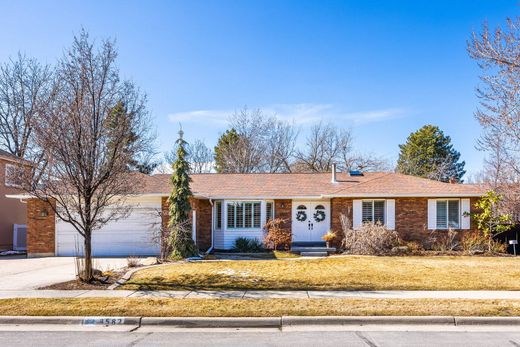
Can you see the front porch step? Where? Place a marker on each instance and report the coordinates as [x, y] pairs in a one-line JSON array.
[[300, 249], [314, 254]]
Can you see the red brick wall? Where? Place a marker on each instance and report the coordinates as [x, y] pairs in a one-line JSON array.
[[40, 228], [283, 210], [339, 206], [203, 212], [411, 217]]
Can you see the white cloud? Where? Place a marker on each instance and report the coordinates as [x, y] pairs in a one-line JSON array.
[[300, 114], [375, 116]]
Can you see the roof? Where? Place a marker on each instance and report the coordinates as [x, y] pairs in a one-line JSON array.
[[312, 185], [11, 157]]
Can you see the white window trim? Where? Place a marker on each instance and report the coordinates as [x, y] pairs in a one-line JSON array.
[[373, 210], [447, 215], [252, 228], [6, 182]]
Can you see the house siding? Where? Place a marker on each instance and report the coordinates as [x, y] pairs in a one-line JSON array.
[[12, 211]]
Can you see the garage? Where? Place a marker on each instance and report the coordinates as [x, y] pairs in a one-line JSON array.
[[135, 235]]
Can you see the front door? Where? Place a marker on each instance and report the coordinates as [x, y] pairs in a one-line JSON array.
[[310, 220]]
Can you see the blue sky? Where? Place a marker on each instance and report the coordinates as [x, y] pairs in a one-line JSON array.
[[382, 68]]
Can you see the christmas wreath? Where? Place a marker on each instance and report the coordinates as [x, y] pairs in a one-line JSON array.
[[319, 216], [301, 216]]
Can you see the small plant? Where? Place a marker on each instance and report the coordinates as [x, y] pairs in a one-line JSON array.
[[247, 245], [443, 241], [414, 247], [133, 262], [328, 237], [476, 242], [278, 237]]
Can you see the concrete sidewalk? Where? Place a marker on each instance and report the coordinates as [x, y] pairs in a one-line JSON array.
[[263, 294]]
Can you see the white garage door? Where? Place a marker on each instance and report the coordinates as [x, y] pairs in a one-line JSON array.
[[134, 235]]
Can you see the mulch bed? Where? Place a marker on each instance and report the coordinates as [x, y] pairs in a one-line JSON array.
[[100, 283]]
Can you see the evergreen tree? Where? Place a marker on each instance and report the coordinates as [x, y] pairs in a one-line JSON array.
[[181, 241], [225, 147], [119, 117], [429, 153]]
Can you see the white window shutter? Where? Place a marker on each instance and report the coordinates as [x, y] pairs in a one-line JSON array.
[[357, 214], [390, 214], [432, 214], [464, 214]]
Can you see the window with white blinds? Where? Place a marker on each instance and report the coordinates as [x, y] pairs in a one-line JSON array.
[[448, 214], [373, 211], [243, 215]]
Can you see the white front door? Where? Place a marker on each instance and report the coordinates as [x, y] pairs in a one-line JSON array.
[[310, 220]]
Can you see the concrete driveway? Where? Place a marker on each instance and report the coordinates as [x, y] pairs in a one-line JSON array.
[[32, 273]]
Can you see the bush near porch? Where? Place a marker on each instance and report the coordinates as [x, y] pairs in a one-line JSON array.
[[337, 273]]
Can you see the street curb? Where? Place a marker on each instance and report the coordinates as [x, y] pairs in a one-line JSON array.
[[367, 320], [259, 322], [214, 322], [487, 321], [69, 320]]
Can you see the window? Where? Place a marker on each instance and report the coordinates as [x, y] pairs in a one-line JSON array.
[[218, 215], [269, 211], [243, 215], [373, 211], [448, 214], [10, 175]]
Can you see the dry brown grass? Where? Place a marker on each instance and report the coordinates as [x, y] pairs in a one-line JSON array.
[[337, 273], [257, 308]]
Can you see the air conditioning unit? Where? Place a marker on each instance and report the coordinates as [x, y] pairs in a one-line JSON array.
[[19, 237]]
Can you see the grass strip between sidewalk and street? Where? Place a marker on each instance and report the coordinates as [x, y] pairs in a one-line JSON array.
[[336, 273], [169, 307]]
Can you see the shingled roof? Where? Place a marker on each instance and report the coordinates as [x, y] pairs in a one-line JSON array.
[[312, 185]]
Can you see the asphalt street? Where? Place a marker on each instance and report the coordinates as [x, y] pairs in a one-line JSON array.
[[261, 338]]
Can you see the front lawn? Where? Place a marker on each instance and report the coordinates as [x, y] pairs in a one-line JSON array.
[[166, 307], [336, 273]]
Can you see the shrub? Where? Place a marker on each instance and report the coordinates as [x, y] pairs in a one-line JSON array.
[[247, 245], [414, 247], [476, 242], [370, 239], [133, 262], [443, 241], [278, 237]]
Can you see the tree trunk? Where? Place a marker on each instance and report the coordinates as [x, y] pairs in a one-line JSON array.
[[87, 275]]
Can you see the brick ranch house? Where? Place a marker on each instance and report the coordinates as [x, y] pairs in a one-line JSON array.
[[227, 206]]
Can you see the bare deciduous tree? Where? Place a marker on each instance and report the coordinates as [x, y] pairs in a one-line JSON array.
[[199, 156], [83, 173], [328, 144], [259, 144], [498, 55], [24, 89], [325, 145]]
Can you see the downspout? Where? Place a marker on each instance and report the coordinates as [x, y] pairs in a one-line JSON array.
[[212, 227]]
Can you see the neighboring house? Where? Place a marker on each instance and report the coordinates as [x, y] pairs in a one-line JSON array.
[[227, 206], [11, 211]]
